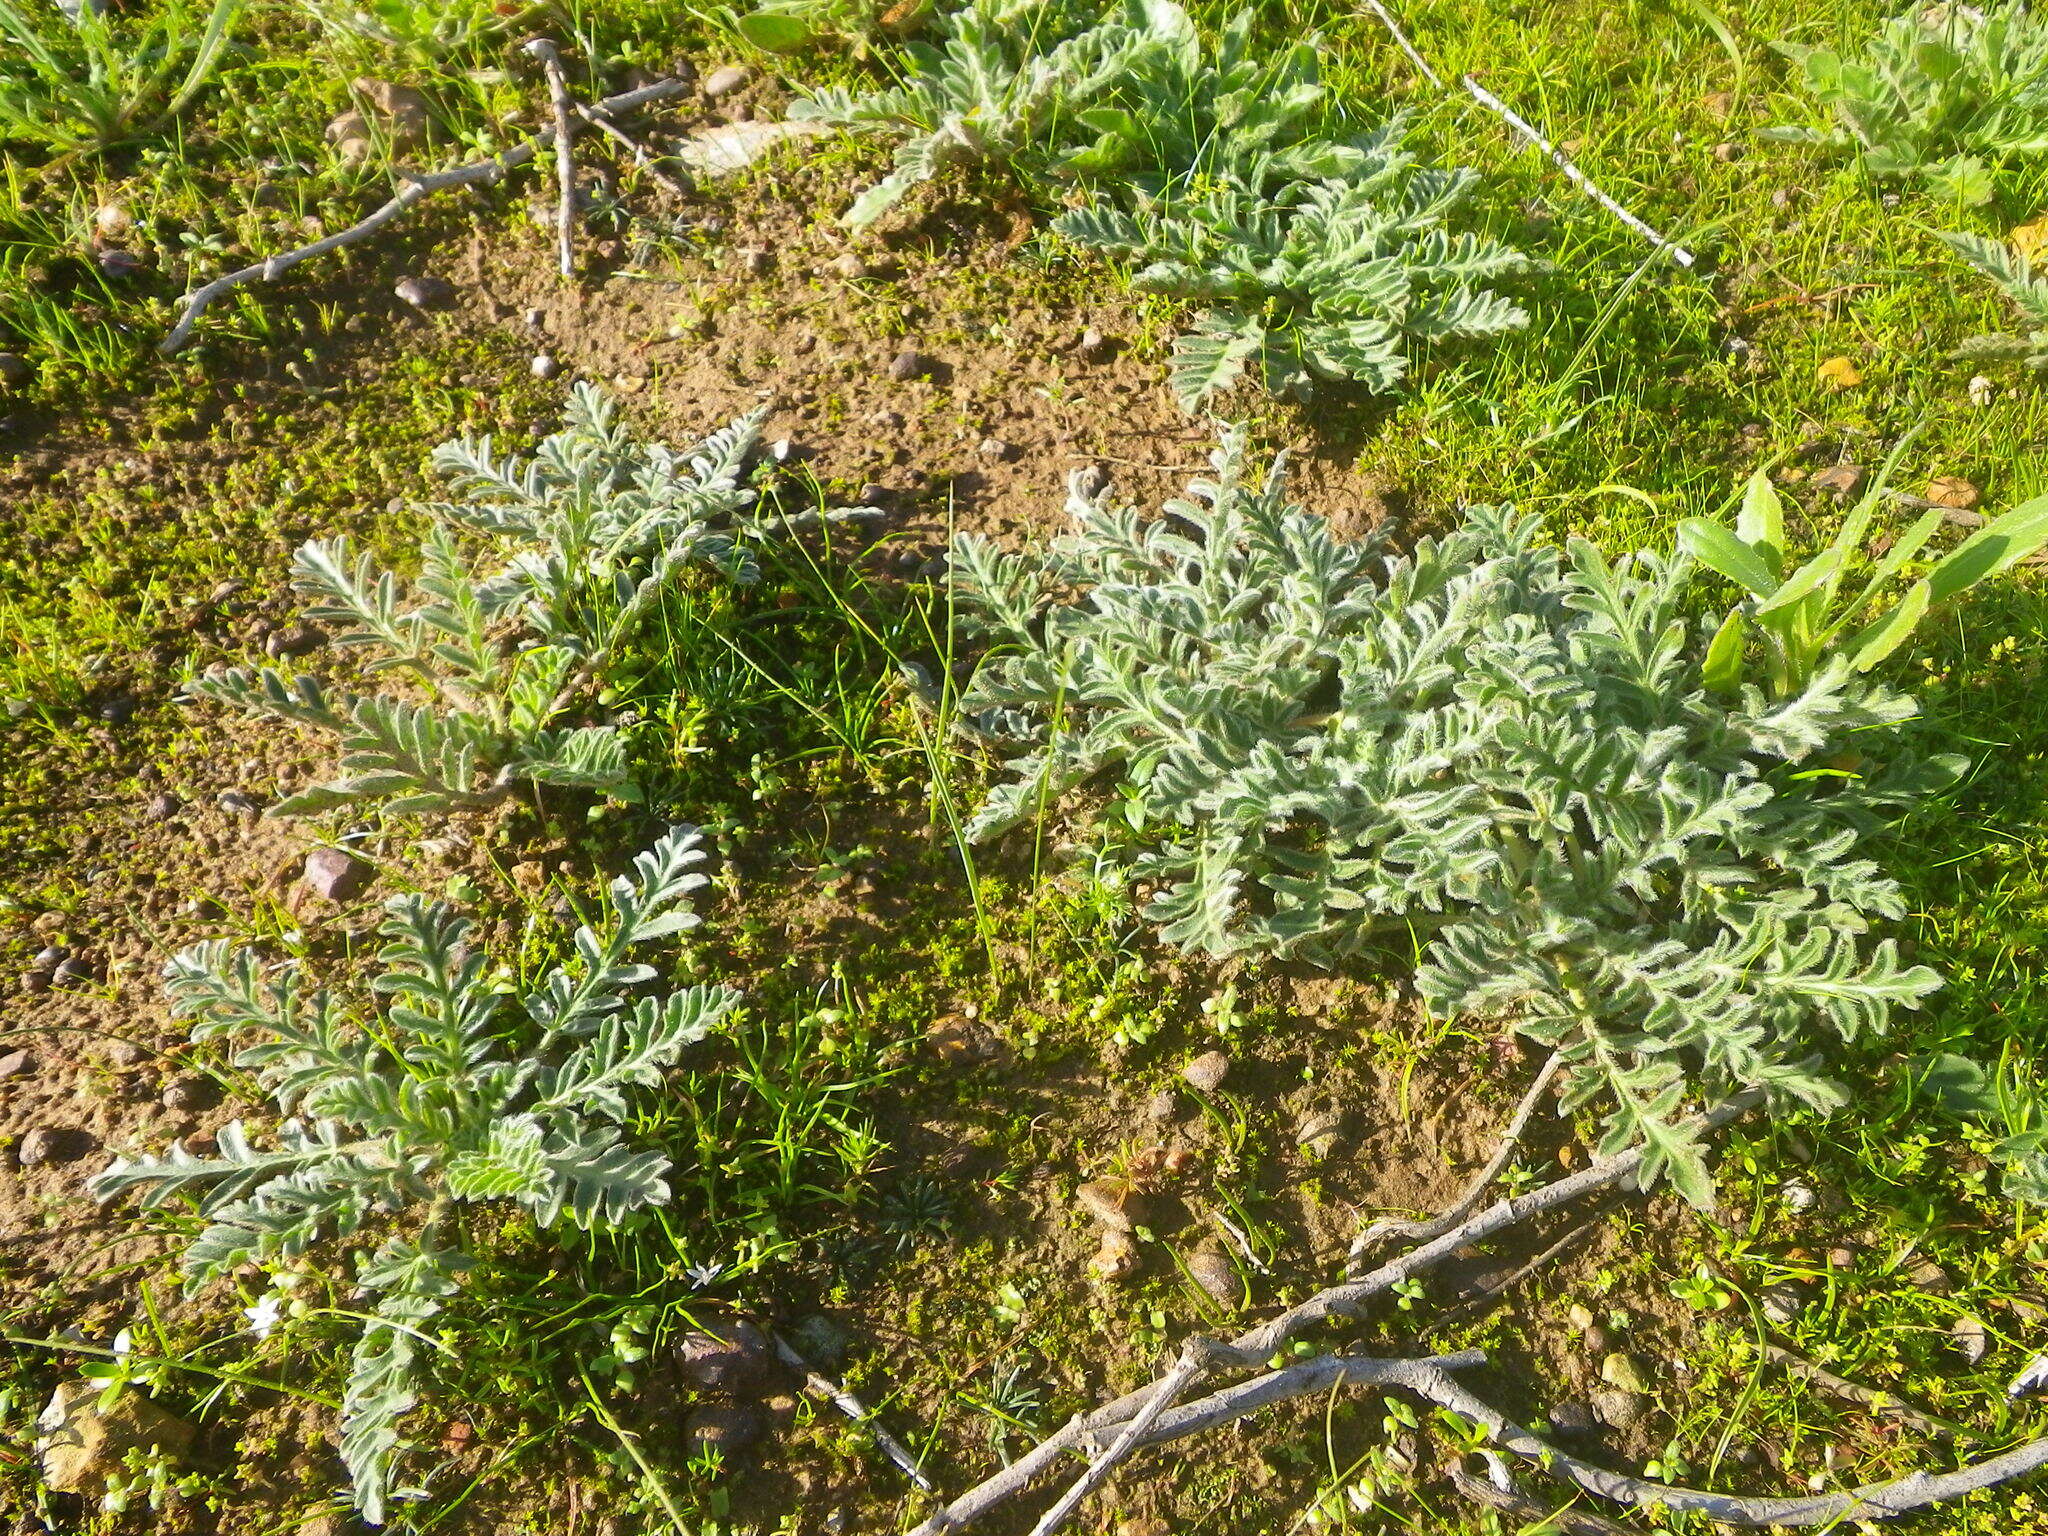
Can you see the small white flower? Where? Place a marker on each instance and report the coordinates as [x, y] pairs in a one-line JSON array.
[[265, 1315]]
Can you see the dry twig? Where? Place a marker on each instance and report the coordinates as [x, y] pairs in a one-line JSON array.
[[633, 146], [821, 1385], [416, 190], [1256, 1345], [1401, 41], [1881, 1403], [1510, 1140], [1186, 1371], [1563, 162], [565, 161], [1570, 1520]]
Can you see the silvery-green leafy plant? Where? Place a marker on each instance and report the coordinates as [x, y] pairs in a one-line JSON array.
[[423, 1092], [1946, 92], [2015, 277], [1318, 280], [1492, 749], [1190, 114], [1006, 83], [530, 583], [1830, 610]]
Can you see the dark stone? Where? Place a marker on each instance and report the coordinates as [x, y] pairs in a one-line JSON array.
[[295, 641], [1572, 1417], [162, 808], [242, 805], [117, 265], [425, 292], [732, 1356], [15, 370], [53, 1144], [75, 973], [336, 875], [191, 1094], [50, 957], [724, 1427], [908, 366], [1601, 1340], [117, 711]]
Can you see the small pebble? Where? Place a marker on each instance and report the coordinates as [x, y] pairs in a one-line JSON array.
[[117, 265], [162, 807], [190, 1094], [1625, 1372], [1971, 1338], [52, 1144], [15, 1064], [1842, 480], [543, 366], [909, 365], [1116, 1258], [425, 292], [294, 641], [535, 319], [724, 1427], [1210, 1268], [756, 261], [74, 973], [1620, 1409], [852, 268], [733, 1356], [50, 956], [1782, 1303], [1572, 1417], [15, 370], [995, 448], [240, 804], [112, 220], [1094, 346], [1163, 1107], [723, 82], [1727, 154], [1207, 1071], [1114, 1203]]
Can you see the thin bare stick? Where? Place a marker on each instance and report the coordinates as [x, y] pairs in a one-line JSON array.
[[1533, 1515], [1185, 1372], [1401, 41], [821, 1385], [1572, 1238], [416, 189], [1558, 158], [1880, 1403], [1423, 1231], [1874, 1501], [1256, 1345], [565, 161], [641, 158]]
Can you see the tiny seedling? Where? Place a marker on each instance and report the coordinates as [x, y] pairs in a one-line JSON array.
[[415, 1097]]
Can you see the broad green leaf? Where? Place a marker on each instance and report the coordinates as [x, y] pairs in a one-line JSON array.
[[1761, 522], [1878, 639], [1712, 545], [1959, 1084], [1722, 669], [1996, 547], [776, 31]]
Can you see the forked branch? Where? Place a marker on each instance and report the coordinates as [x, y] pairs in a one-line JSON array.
[[417, 189]]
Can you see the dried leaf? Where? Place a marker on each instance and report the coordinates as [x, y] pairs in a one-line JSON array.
[[2030, 238], [1953, 491], [1839, 373], [734, 147]]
